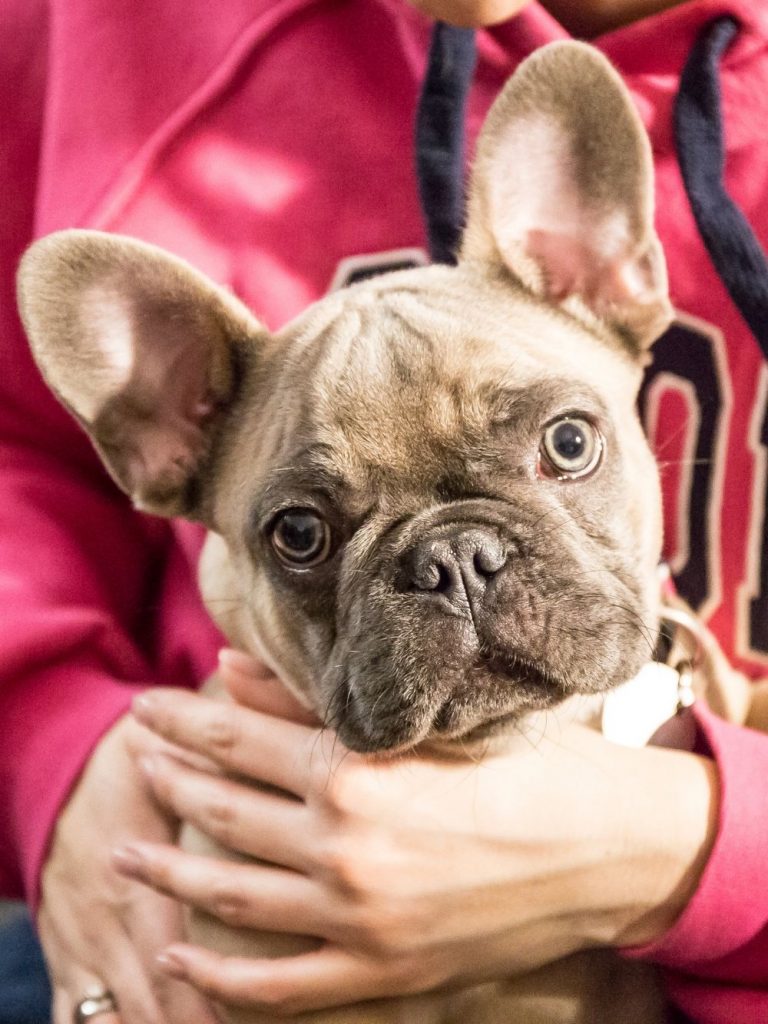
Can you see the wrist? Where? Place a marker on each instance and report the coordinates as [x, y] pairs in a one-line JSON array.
[[669, 813]]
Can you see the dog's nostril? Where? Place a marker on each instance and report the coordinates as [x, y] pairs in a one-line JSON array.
[[456, 565], [434, 576], [489, 558], [444, 579]]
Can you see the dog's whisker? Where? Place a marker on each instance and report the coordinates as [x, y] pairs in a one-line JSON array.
[[669, 440], [668, 463]]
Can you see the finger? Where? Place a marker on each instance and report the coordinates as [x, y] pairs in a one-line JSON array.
[[240, 740], [122, 962], [323, 978], [141, 741], [240, 895], [64, 1012], [63, 1008], [154, 922], [260, 690], [244, 664], [125, 979], [265, 825], [104, 962]]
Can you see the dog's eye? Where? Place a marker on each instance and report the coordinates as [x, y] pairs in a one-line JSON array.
[[571, 447], [300, 537]]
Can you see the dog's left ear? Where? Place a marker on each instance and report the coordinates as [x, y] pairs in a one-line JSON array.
[[145, 351], [562, 194]]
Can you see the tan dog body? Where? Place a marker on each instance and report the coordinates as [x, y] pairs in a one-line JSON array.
[[433, 510]]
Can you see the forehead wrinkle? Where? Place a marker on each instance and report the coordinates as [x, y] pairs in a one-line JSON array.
[[393, 400], [399, 380], [312, 467], [542, 396]]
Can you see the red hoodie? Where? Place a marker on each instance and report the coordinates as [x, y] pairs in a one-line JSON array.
[[266, 141]]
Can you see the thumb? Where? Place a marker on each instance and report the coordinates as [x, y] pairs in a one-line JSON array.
[[251, 683]]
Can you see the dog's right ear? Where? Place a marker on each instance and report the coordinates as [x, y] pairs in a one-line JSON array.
[[143, 350], [562, 194]]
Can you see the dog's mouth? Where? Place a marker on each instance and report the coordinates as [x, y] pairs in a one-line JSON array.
[[496, 691], [445, 733], [442, 679], [502, 688], [523, 672]]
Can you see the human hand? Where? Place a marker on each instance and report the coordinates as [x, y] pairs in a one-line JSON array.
[[470, 13], [416, 873], [99, 930]]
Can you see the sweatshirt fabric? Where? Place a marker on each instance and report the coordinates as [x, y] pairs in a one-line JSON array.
[[269, 142]]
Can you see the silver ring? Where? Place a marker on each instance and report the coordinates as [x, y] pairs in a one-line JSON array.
[[92, 1005]]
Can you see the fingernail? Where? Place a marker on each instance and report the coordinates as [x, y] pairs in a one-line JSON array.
[[128, 861], [144, 708], [237, 661], [171, 964]]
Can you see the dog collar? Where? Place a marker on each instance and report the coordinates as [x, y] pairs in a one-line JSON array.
[[653, 708]]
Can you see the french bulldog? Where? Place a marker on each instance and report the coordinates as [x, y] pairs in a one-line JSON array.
[[431, 505]]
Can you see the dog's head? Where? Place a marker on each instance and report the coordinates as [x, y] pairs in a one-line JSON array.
[[432, 505]]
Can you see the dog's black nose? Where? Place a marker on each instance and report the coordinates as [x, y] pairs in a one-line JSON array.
[[456, 567]]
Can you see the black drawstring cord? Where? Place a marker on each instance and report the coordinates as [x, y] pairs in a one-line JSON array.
[[734, 250], [440, 137]]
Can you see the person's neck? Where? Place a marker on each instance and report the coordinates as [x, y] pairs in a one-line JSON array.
[[589, 18]]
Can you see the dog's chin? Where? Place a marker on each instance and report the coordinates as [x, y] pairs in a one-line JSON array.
[[495, 695]]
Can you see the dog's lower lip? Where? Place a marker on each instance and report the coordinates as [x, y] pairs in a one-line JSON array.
[[363, 745], [533, 685], [516, 668], [482, 729], [366, 741]]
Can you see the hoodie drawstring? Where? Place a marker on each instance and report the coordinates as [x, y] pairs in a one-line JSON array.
[[440, 137], [737, 255]]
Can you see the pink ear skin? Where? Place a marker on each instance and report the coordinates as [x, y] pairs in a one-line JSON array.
[[160, 456], [573, 267], [165, 443], [562, 195], [144, 350]]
